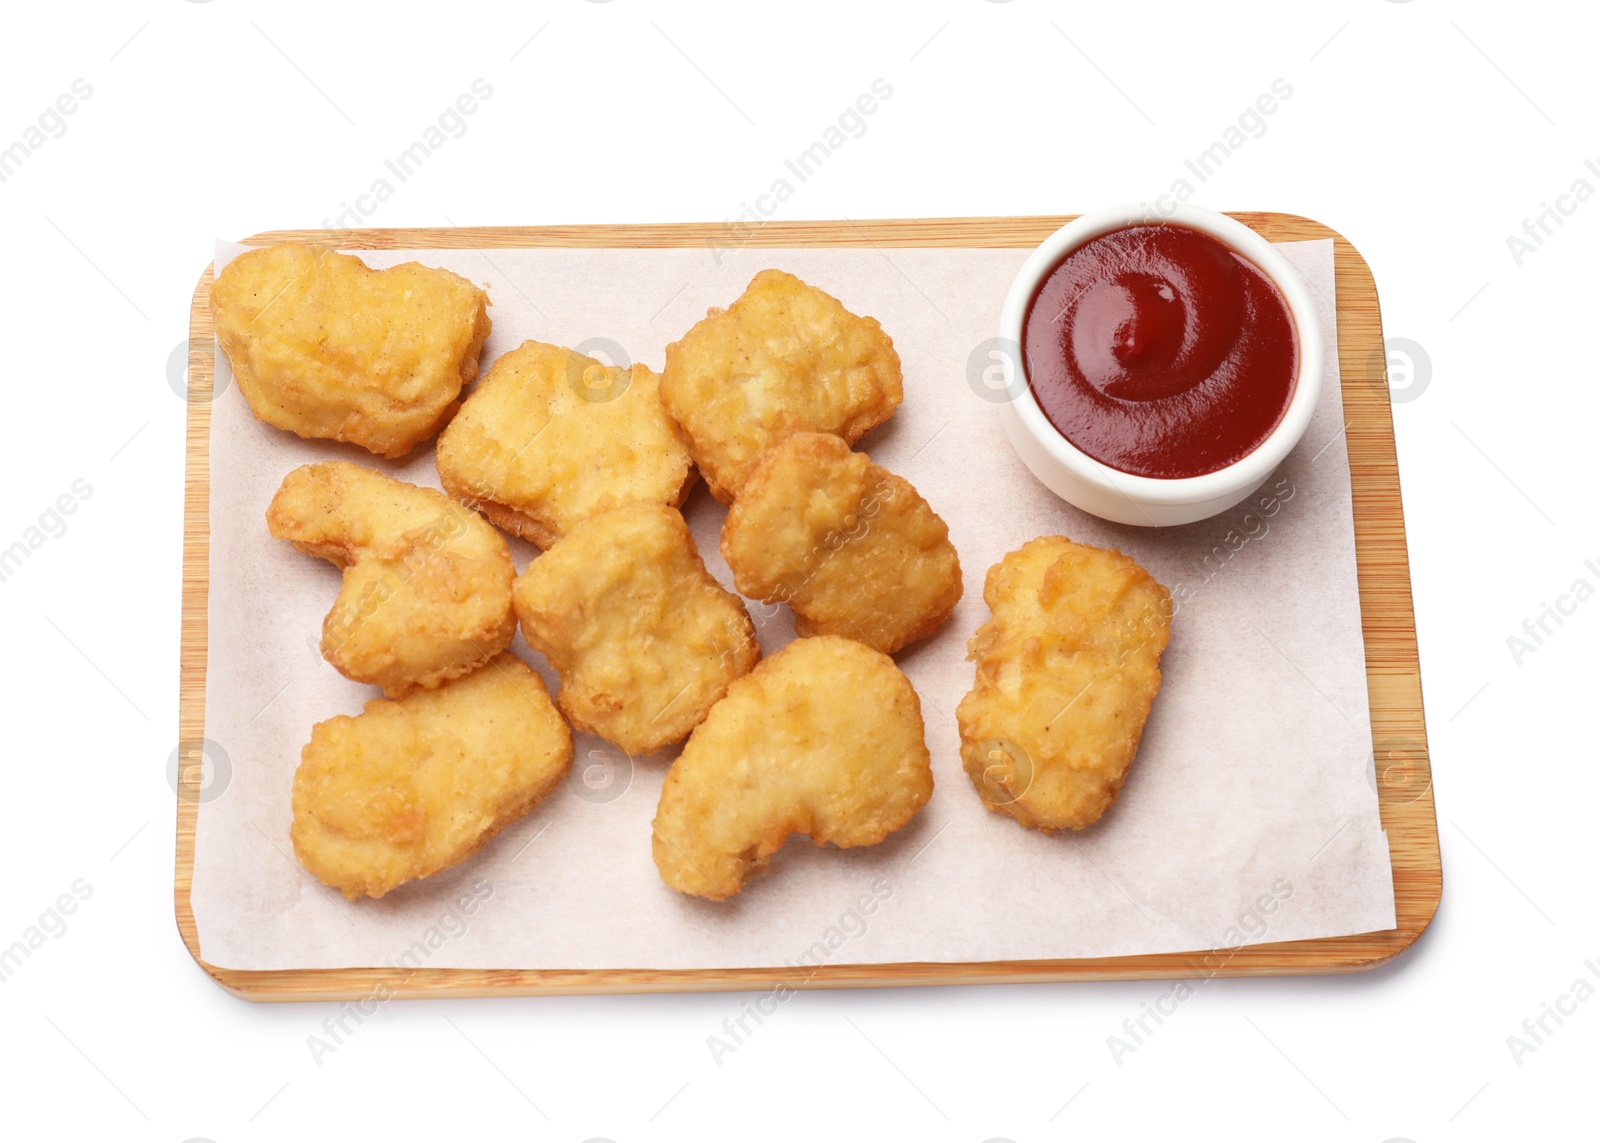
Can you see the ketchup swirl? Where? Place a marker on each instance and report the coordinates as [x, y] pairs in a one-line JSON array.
[[1158, 351]]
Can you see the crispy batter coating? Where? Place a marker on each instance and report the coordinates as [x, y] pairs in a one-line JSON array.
[[408, 788], [551, 437], [1067, 670], [427, 583], [851, 547], [824, 738], [644, 639], [784, 358], [326, 347]]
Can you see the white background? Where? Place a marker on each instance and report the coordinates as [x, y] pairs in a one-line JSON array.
[[1426, 132]]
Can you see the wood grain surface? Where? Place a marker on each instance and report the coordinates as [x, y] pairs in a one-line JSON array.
[[1403, 774]]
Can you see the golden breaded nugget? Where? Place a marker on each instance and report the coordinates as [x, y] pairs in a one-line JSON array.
[[408, 788], [825, 738], [324, 346], [1067, 670], [551, 437], [848, 545], [427, 583], [784, 358], [645, 641]]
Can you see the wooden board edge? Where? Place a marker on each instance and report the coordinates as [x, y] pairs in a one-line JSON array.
[[988, 231], [1405, 815], [196, 589], [1271, 960], [362, 984], [1394, 678]]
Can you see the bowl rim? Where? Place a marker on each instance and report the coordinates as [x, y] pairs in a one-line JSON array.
[[1243, 474]]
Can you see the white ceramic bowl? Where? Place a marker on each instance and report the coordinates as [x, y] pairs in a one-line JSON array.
[[1083, 481]]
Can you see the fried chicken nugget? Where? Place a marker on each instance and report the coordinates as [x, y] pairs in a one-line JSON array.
[[824, 738], [851, 547], [427, 583], [326, 347], [784, 358], [644, 639], [1067, 670], [551, 437], [408, 788]]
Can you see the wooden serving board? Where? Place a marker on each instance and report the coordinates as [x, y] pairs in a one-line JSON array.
[[1403, 774]]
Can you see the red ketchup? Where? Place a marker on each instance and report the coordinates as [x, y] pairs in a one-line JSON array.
[[1160, 352]]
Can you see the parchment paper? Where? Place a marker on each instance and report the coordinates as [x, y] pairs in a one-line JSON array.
[[1250, 814]]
